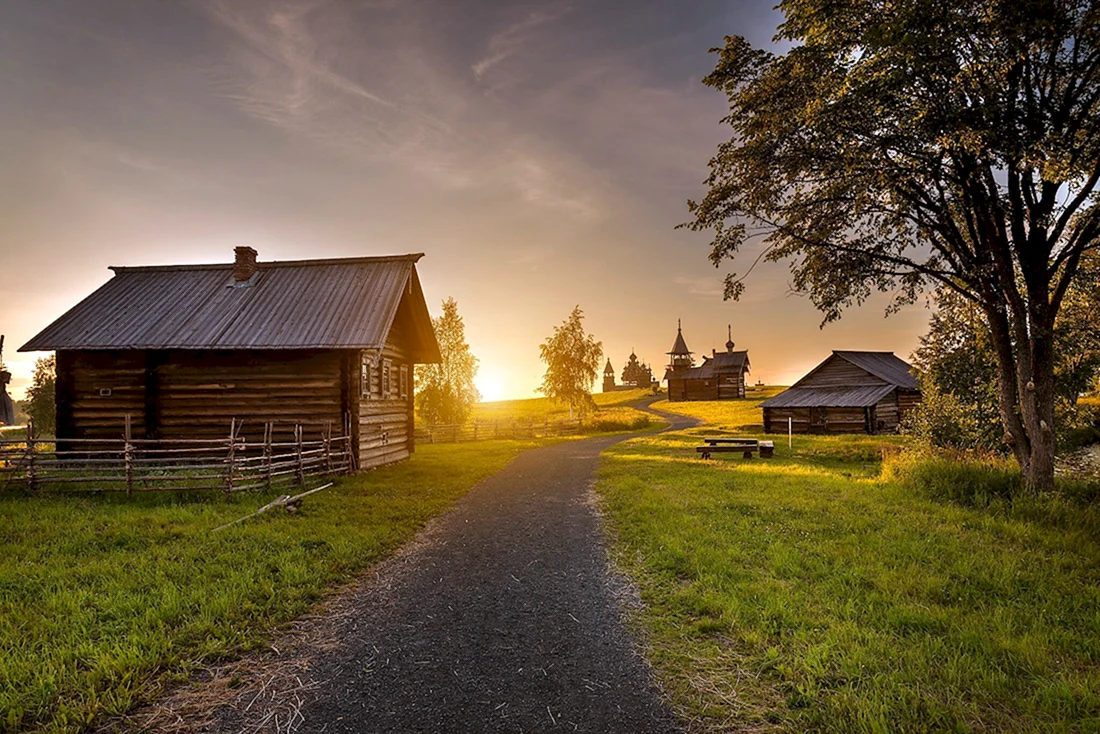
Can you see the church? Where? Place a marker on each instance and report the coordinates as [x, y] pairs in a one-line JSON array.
[[635, 375], [721, 376]]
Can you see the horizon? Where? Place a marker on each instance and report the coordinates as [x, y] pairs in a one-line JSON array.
[[539, 154]]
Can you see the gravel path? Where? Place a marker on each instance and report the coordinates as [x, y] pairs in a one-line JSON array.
[[504, 617]]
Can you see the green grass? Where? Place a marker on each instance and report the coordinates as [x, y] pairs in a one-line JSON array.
[[104, 600], [540, 409], [815, 592]]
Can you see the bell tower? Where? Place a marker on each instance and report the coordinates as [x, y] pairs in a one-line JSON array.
[[609, 377], [680, 359]]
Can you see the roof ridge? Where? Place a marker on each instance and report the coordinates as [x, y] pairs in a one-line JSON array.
[[412, 257]]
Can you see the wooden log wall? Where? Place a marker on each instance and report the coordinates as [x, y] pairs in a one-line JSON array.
[[908, 400], [199, 393], [714, 388], [386, 416], [886, 414], [96, 390], [824, 420]]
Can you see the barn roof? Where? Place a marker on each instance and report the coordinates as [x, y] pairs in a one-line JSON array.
[[346, 303], [884, 365], [860, 396], [718, 364]]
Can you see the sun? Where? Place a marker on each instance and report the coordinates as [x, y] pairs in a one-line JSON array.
[[490, 386]]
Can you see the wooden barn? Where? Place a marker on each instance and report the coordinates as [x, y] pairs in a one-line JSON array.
[[329, 345], [850, 392], [721, 376]]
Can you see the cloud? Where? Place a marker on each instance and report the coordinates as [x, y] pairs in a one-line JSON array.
[[509, 41], [366, 82], [704, 287]]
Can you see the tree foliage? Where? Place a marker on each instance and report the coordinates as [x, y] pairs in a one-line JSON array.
[[903, 145], [445, 392], [40, 404], [572, 360]]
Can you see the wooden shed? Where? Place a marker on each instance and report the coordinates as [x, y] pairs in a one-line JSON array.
[[329, 345], [850, 392]]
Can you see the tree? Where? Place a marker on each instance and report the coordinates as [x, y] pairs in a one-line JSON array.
[[40, 404], [957, 358], [572, 360], [445, 392], [903, 145]]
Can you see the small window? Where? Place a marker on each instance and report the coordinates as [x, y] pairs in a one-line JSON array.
[[364, 378], [386, 366], [404, 382]]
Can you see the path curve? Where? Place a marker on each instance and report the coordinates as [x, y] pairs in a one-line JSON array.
[[505, 617]]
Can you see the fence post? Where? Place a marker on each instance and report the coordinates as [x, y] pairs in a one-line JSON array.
[[128, 458], [454, 433], [475, 430], [431, 434], [300, 474], [327, 438], [496, 428], [268, 430], [230, 459], [32, 476]]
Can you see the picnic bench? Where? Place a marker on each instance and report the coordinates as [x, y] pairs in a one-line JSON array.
[[745, 446]]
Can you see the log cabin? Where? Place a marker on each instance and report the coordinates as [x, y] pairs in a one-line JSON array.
[[183, 350], [721, 376], [850, 392]]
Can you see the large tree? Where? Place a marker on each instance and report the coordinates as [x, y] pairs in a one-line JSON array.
[[572, 360], [898, 145], [445, 392]]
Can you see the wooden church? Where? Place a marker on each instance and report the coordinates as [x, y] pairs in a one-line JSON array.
[[635, 375], [721, 376]]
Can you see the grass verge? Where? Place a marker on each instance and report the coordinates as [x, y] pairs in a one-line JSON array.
[[104, 600], [814, 592]]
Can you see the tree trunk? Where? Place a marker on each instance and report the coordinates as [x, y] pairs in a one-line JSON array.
[[1025, 396]]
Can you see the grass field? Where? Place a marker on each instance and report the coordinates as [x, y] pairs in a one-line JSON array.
[[104, 599], [540, 409], [814, 592]]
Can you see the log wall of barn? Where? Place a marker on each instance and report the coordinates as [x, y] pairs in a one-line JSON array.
[[198, 393], [816, 420], [723, 387], [96, 390], [385, 402], [908, 400], [886, 414]]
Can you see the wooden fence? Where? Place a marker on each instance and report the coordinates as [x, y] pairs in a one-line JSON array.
[[231, 464], [488, 430]]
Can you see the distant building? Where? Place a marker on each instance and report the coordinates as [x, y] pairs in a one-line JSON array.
[[721, 376], [635, 375], [850, 392]]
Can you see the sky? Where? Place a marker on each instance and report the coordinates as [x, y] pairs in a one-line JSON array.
[[539, 153]]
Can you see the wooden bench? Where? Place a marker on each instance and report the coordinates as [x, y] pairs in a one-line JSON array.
[[745, 446]]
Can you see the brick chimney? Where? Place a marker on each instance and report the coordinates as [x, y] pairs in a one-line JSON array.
[[244, 266]]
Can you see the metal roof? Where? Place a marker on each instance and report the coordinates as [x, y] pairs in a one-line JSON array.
[[884, 365], [347, 303], [861, 396]]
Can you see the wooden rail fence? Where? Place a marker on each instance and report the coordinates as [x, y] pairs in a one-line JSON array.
[[488, 430], [230, 464]]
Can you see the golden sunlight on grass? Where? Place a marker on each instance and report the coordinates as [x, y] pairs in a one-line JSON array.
[[816, 592]]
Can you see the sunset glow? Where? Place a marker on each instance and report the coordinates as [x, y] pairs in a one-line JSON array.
[[540, 159]]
